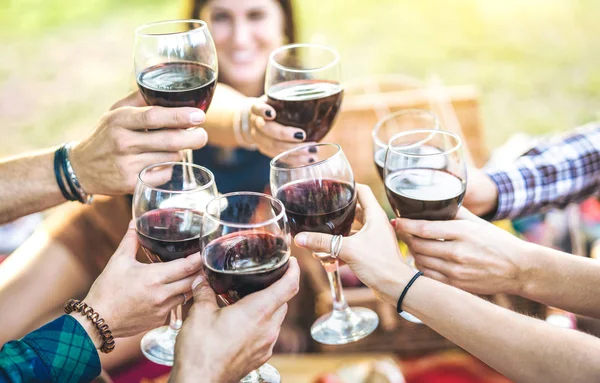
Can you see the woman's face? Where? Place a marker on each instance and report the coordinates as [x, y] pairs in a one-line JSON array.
[[245, 32]]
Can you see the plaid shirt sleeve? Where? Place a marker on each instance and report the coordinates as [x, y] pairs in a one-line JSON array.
[[60, 351], [551, 175]]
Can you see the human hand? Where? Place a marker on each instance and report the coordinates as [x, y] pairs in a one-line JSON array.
[[134, 297], [109, 160], [372, 253], [481, 196], [474, 255], [270, 137], [225, 344]]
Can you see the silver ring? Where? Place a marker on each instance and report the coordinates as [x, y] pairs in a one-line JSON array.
[[185, 298], [336, 246]]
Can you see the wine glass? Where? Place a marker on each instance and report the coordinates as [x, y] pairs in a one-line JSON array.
[[302, 84], [425, 176], [176, 65], [168, 211], [318, 193], [384, 130], [394, 123], [246, 247]]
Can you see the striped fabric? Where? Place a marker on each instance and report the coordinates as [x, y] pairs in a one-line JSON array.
[[552, 174]]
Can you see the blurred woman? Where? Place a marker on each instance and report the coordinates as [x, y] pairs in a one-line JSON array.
[[75, 244], [522, 348]]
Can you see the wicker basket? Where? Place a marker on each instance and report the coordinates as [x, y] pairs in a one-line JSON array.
[[365, 102]]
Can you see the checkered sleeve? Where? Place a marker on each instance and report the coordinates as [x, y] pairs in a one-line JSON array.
[[553, 174], [60, 351]]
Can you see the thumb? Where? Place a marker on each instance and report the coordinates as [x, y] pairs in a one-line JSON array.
[[129, 244], [317, 242], [204, 295], [133, 99], [464, 213]]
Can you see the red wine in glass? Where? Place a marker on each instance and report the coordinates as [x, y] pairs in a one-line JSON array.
[[425, 193], [178, 84], [242, 263], [324, 206], [169, 234], [379, 159], [311, 105]]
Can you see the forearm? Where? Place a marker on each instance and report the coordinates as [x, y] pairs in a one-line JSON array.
[[28, 185], [222, 114], [522, 348], [561, 280]]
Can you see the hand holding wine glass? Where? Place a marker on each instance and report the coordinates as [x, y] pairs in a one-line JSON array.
[[225, 344], [381, 269]]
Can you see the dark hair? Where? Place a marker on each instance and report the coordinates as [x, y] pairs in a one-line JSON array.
[[289, 28]]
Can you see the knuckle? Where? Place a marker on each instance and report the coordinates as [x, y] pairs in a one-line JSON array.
[[150, 117], [171, 142]]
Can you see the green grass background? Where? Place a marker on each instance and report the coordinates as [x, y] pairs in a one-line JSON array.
[[63, 62]]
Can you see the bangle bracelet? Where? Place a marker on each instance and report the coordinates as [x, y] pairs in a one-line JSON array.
[[58, 173], [108, 342], [74, 184], [414, 278]]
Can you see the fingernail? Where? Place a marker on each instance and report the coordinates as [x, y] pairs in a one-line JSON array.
[[269, 113], [300, 239], [312, 149], [311, 160], [197, 281], [299, 135], [197, 117], [393, 222]]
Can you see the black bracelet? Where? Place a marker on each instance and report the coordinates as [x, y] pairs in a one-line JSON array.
[[63, 160], [414, 278], [59, 175]]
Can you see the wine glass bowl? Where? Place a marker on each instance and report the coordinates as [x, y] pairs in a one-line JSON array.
[[176, 63], [398, 122], [303, 85]]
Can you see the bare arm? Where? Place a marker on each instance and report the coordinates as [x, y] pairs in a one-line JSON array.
[[522, 348], [28, 185], [481, 258]]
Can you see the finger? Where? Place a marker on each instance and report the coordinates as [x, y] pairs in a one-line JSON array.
[[367, 200], [264, 110], [152, 158], [432, 263], [359, 215], [317, 242], [204, 295], [267, 301], [431, 247], [171, 140], [156, 117], [282, 133], [178, 269], [158, 175], [272, 148], [133, 99], [129, 244], [428, 229], [182, 286]]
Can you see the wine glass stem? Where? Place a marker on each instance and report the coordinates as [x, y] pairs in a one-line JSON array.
[[335, 282], [176, 319]]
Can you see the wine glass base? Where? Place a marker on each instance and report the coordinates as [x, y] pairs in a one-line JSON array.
[[158, 345], [344, 326], [264, 374], [410, 317]]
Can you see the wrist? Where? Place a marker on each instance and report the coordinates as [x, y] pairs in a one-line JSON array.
[[189, 372], [76, 158], [528, 269], [392, 285], [89, 328]]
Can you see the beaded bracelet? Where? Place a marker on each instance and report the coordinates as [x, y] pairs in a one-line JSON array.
[[108, 342]]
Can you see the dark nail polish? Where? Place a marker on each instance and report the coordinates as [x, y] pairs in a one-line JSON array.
[[312, 149], [311, 160], [299, 135], [268, 113]]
